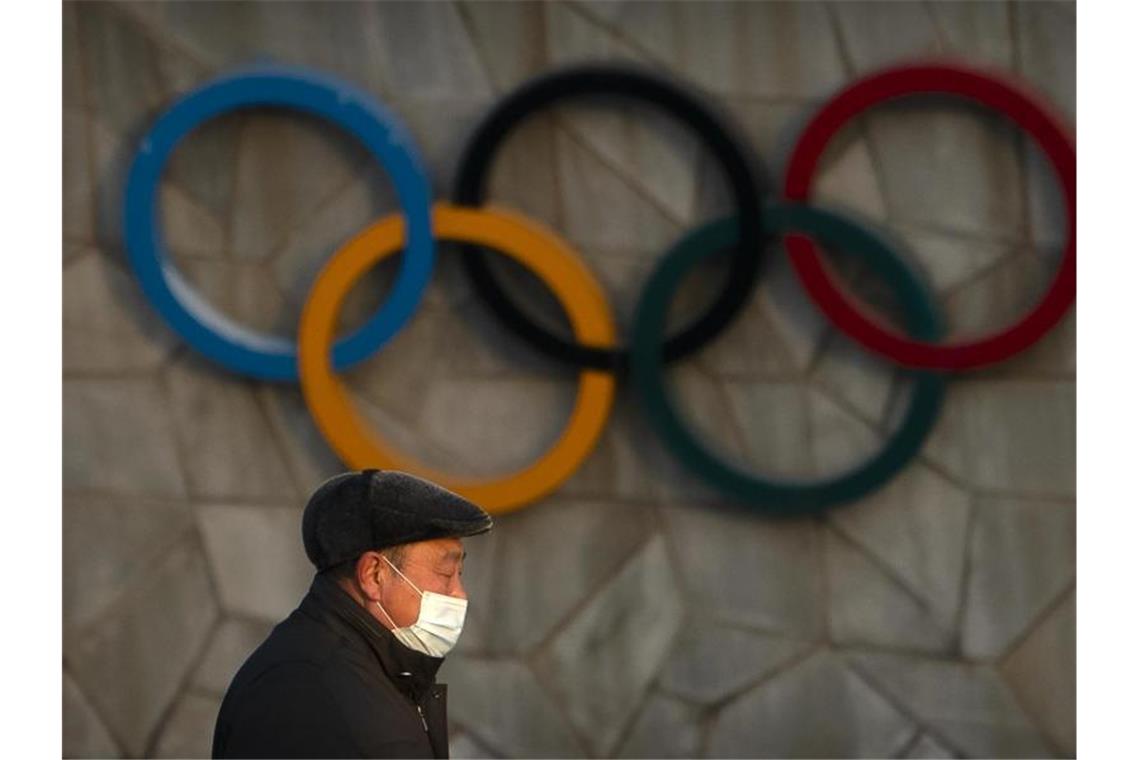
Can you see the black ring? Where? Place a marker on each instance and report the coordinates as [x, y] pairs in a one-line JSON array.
[[746, 177]]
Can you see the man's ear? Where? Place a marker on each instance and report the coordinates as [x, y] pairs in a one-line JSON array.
[[369, 567]]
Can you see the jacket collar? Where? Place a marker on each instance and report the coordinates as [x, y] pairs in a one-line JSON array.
[[413, 672]]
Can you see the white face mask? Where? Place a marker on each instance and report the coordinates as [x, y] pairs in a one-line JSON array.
[[438, 626]]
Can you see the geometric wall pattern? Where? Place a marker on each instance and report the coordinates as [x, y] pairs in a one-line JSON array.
[[627, 614]]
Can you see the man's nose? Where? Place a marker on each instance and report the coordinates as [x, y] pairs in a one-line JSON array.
[[459, 591]]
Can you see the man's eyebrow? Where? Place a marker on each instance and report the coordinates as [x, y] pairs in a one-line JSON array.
[[455, 554]]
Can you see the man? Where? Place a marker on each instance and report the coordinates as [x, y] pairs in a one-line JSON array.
[[351, 672]]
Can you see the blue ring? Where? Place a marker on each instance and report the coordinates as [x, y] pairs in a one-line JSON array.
[[268, 357]]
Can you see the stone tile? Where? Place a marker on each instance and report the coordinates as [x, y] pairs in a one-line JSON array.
[[573, 38], [759, 49], [1009, 436], [864, 381], [929, 747], [289, 166], [996, 300], [749, 348], [108, 325], [603, 209], [967, 706], [229, 447], [147, 648], [711, 662], [775, 421], [797, 320], [426, 50], [309, 456], [465, 746], [781, 717], [1047, 52], [112, 150], [502, 705], [84, 734], [104, 418], [605, 658], [313, 243], [526, 175], [408, 438], [979, 31], [876, 35], [921, 145], [1053, 356], [122, 79], [916, 527], [257, 558], [442, 128], [233, 641], [839, 440], [74, 93], [78, 187], [541, 573], [203, 164], [225, 35], [1022, 555], [866, 606], [647, 146], [846, 180], [664, 728], [186, 224], [948, 261], [780, 559], [109, 544], [499, 425], [509, 39], [1042, 671], [189, 731]]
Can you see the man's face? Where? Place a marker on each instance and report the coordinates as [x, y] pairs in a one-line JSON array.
[[435, 565]]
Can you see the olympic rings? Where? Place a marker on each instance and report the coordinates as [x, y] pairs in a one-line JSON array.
[[529, 244], [216, 336], [767, 495], [990, 91], [743, 172], [593, 347]]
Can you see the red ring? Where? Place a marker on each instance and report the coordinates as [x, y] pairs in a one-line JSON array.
[[990, 91]]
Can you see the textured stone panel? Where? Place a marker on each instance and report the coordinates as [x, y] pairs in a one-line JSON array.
[[542, 572], [1047, 52], [108, 325], [501, 704], [1022, 555], [78, 187], [465, 746], [109, 544], [509, 39], [244, 292], [84, 734], [233, 641], [1009, 436], [74, 93], [664, 728], [228, 444], [846, 180], [740, 568], [757, 49], [188, 225], [189, 731], [969, 155], [204, 163], [121, 69], [967, 706], [781, 718], [916, 527], [867, 606], [146, 649], [862, 380], [426, 50], [797, 320], [573, 37], [928, 747], [775, 421], [998, 299], [111, 153], [711, 662], [604, 660], [1042, 671], [102, 419], [289, 166], [257, 558], [875, 35], [840, 441], [948, 261]]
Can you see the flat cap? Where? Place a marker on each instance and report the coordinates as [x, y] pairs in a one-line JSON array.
[[355, 512]]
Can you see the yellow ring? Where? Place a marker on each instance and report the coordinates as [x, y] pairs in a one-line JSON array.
[[531, 245]]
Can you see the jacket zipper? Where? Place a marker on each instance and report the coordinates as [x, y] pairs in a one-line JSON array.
[[423, 720]]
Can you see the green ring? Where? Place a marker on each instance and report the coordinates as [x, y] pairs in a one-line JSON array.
[[786, 497]]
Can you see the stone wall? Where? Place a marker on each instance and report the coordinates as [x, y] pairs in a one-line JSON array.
[[629, 613]]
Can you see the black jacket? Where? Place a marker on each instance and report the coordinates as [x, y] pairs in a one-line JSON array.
[[330, 681]]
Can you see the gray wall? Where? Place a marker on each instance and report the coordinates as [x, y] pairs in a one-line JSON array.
[[628, 613]]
